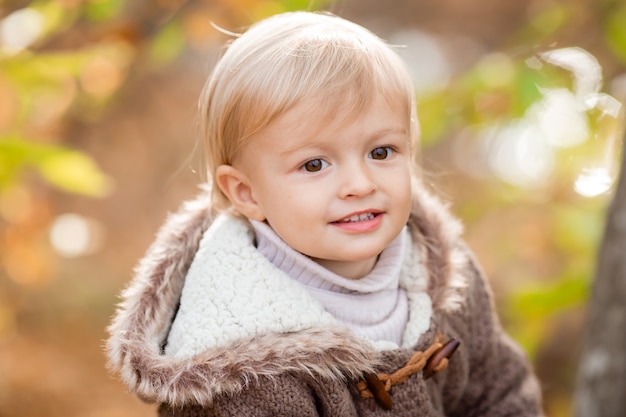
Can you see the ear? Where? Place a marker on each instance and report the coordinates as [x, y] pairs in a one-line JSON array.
[[236, 186]]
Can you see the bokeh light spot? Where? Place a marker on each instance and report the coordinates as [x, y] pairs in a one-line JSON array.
[[20, 29], [593, 182], [73, 235]]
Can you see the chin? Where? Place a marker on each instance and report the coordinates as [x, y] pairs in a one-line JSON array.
[[365, 255]]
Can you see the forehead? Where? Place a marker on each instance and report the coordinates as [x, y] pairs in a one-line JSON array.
[[316, 121]]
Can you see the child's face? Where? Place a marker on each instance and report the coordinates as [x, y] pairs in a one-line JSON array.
[[337, 190]]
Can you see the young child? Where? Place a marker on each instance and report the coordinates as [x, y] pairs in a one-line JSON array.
[[315, 276]]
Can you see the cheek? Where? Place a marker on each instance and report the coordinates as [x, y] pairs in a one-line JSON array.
[[405, 197], [284, 206], [298, 196], [297, 213]]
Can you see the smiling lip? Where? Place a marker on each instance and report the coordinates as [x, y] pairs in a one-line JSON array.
[[359, 222]]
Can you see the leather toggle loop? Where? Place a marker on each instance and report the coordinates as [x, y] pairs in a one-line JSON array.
[[432, 360], [379, 391], [439, 361]]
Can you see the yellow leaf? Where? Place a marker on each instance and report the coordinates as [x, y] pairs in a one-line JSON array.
[[75, 172]]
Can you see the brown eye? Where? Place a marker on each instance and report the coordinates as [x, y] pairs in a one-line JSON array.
[[314, 165], [380, 153]]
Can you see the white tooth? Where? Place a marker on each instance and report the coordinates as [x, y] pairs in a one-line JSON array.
[[358, 217]]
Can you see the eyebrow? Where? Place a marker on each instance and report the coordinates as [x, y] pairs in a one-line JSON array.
[[312, 143]]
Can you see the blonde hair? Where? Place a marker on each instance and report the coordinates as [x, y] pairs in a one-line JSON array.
[[285, 59]]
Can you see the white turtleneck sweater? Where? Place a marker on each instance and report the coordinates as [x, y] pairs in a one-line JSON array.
[[374, 307]]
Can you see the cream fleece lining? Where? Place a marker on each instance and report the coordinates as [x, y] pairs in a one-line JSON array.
[[232, 291]]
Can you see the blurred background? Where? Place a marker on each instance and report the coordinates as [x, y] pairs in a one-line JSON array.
[[520, 106]]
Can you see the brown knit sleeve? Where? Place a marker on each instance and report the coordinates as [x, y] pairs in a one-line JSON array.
[[500, 380]]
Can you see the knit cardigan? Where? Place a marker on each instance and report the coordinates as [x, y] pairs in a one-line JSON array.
[[319, 367]]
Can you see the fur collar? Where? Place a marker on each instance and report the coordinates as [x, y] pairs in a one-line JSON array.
[[143, 319]]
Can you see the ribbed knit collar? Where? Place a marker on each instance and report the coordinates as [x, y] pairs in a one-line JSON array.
[[384, 275]]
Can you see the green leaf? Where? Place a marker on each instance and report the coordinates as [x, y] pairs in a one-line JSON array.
[[63, 168], [292, 5], [57, 17], [551, 19], [576, 229], [615, 33], [434, 117], [526, 92], [102, 10], [168, 43], [75, 172], [30, 71], [541, 301]]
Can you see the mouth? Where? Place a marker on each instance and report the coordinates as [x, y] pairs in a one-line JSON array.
[[359, 217]]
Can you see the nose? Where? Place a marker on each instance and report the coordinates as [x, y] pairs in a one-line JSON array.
[[357, 180]]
